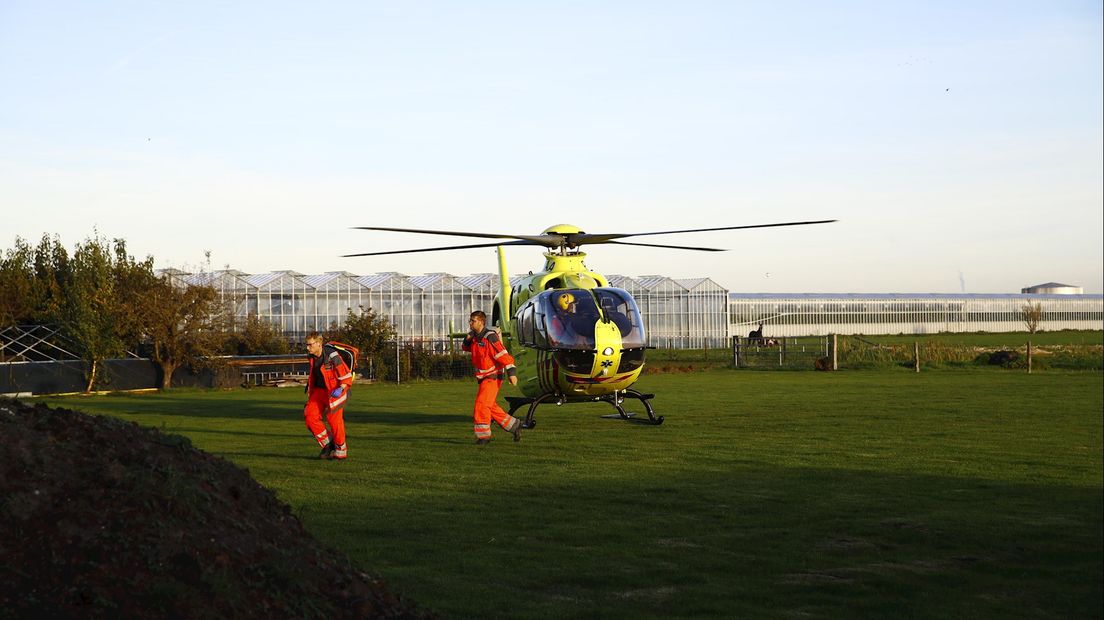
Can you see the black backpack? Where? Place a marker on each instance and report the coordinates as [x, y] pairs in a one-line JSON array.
[[348, 353]]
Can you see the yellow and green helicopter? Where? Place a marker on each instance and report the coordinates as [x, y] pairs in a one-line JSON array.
[[578, 339]]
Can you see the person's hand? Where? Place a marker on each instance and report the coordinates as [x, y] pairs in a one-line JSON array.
[[337, 392], [513, 380]]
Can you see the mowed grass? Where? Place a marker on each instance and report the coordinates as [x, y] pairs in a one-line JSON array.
[[851, 494]]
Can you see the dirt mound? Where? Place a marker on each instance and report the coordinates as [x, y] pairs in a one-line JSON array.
[[103, 518]]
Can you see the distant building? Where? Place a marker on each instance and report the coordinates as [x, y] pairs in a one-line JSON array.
[[1053, 288], [678, 313], [818, 314]]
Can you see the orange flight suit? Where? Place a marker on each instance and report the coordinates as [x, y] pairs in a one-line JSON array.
[[335, 373], [491, 362]]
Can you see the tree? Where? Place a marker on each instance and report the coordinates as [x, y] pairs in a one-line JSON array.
[[257, 337], [52, 273], [1032, 315], [185, 324], [367, 331], [130, 279], [19, 298], [90, 314], [83, 295], [104, 301]]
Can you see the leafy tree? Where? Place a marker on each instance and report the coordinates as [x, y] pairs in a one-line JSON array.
[[367, 331], [130, 279], [104, 301], [51, 273], [257, 336], [95, 297], [185, 325], [89, 314], [1032, 315], [19, 292]]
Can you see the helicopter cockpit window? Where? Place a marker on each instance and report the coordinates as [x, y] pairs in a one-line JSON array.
[[618, 306], [569, 318], [526, 329]]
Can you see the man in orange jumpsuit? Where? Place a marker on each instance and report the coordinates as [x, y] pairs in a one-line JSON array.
[[327, 389], [491, 361]]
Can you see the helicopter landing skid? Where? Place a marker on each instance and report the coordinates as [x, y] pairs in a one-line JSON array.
[[517, 402], [617, 399]]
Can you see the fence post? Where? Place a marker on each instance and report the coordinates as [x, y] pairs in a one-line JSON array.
[[398, 363], [835, 354], [916, 354], [735, 351]]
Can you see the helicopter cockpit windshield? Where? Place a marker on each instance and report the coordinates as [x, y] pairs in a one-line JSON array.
[[565, 319], [618, 306], [569, 318]]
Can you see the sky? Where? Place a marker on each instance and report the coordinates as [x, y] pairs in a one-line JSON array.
[[958, 143]]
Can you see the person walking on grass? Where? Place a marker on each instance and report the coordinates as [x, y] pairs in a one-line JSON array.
[[328, 386], [491, 362]]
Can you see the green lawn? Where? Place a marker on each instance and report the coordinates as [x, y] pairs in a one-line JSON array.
[[967, 493]]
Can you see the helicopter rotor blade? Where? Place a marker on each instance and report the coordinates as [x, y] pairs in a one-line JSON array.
[[451, 247], [562, 241], [672, 247], [583, 238], [550, 241]]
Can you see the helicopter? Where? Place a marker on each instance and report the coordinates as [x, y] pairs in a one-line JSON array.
[[580, 340]]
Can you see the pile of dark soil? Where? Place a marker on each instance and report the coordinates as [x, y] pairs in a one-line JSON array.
[[103, 518]]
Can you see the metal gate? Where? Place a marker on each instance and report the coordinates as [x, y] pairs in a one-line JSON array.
[[798, 352]]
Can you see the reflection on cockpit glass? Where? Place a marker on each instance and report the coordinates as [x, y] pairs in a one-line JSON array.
[[571, 315], [619, 308]]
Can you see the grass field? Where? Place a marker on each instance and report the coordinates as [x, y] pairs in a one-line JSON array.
[[967, 493]]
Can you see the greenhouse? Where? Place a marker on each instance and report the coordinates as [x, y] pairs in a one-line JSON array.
[[677, 313], [813, 314]]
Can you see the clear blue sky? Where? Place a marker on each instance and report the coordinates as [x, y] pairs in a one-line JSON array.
[[959, 143]]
